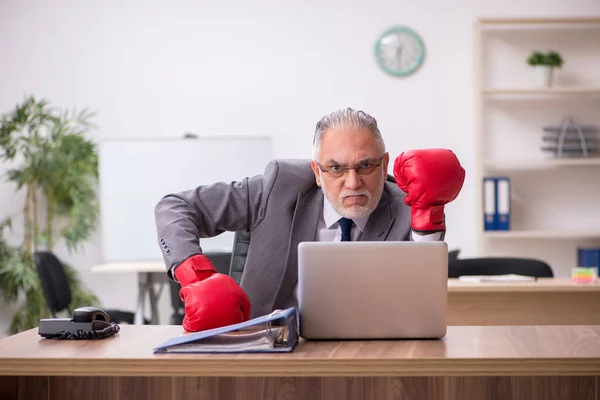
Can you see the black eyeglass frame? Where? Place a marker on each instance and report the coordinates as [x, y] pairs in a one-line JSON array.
[[356, 168]]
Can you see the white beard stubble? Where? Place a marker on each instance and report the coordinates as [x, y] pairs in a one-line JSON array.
[[355, 211]]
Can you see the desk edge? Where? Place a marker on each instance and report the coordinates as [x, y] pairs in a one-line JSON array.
[[302, 367]]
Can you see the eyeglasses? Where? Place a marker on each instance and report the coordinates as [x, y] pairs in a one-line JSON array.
[[364, 168]]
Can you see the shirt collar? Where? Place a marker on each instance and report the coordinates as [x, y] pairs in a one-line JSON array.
[[331, 216]]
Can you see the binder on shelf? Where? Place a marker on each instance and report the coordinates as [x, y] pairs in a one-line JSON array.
[[273, 333], [588, 257], [489, 204], [496, 203], [503, 204]]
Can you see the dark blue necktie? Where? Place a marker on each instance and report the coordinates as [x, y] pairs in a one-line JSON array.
[[346, 226]]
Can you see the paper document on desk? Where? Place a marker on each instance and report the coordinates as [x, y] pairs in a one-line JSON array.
[[496, 278], [258, 335]]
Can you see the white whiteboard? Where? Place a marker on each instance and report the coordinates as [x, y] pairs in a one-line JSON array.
[[135, 174]]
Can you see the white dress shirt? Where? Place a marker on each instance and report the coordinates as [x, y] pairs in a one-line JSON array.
[[328, 229]]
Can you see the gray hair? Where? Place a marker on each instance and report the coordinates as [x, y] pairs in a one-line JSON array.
[[345, 118]]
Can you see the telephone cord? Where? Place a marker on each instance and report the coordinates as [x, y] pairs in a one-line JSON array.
[[86, 335]]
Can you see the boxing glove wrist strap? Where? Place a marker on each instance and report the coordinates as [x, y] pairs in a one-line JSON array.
[[194, 269], [428, 219]]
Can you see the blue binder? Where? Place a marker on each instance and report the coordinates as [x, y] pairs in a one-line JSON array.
[[490, 215], [496, 203], [274, 333], [588, 257], [503, 203]]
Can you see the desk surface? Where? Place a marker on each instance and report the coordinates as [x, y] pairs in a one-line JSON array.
[[466, 350], [539, 285], [130, 266], [139, 265]]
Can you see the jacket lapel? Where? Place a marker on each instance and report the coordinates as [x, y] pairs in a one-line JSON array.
[[304, 229], [380, 221]]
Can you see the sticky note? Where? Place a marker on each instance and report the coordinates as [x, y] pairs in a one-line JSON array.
[[584, 275]]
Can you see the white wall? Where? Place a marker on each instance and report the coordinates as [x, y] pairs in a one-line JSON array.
[[154, 69]]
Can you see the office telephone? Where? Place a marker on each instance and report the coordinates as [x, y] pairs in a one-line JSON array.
[[86, 323]]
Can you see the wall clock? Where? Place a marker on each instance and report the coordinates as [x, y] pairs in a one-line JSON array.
[[399, 51]]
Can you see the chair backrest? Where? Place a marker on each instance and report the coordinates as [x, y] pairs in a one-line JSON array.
[[176, 303], [499, 266], [241, 243], [54, 281], [453, 255]]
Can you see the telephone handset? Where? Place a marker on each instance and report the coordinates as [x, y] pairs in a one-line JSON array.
[[87, 323]]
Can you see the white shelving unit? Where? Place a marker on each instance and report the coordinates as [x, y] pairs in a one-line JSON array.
[[555, 203], [503, 166], [553, 91], [544, 234]]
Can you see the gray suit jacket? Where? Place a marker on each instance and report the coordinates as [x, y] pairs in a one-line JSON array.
[[281, 208]]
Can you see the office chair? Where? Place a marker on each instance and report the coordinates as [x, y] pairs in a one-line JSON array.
[[241, 243], [499, 266], [453, 255], [220, 260], [176, 303], [57, 290]]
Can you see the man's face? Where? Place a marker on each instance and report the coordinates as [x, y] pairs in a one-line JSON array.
[[354, 193]]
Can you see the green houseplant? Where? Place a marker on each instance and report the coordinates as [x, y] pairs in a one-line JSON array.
[[544, 65], [57, 168]]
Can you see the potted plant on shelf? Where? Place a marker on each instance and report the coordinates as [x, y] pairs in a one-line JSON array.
[[57, 167], [544, 66]]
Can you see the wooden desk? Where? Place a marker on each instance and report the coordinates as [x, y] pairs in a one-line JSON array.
[[547, 301], [558, 362]]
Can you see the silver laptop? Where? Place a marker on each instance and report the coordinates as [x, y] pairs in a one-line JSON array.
[[372, 290]]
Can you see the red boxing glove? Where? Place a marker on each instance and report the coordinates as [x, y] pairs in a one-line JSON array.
[[211, 300], [431, 178]]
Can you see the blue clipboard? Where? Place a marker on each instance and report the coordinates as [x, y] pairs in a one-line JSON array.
[[275, 333]]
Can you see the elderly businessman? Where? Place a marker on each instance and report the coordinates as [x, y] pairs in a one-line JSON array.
[[341, 194]]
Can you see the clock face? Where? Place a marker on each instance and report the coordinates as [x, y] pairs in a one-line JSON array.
[[399, 51]]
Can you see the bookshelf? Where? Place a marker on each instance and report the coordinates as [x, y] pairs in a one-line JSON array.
[[555, 202], [552, 91], [500, 166], [544, 234]]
